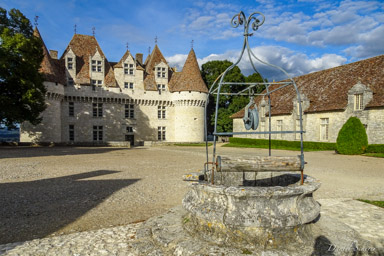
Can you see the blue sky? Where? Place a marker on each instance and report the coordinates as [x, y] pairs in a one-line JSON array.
[[301, 36]]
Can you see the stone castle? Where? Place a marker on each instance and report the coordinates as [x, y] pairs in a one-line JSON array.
[[93, 101]]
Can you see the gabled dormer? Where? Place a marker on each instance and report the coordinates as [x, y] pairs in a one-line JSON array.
[[129, 66], [97, 68], [70, 66], [359, 96]]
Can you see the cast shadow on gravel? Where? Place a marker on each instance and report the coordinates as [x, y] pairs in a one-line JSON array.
[[18, 152], [35, 209]]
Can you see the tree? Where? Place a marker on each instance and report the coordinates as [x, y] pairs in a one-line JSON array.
[[228, 105], [352, 138], [21, 85]]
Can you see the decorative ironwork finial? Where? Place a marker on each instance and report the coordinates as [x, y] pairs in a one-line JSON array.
[[93, 31], [75, 28], [240, 19], [36, 19], [149, 50], [127, 46], [156, 40], [192, 44]]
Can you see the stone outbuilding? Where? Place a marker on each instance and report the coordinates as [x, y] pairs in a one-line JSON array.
[[329, 97]]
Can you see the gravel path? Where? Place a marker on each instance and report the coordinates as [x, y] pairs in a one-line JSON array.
[[46, 191]]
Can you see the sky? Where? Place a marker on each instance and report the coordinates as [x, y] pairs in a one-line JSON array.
[[301, 36]]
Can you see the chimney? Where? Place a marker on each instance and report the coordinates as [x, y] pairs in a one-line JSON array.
[[53, 54], [139, 58]]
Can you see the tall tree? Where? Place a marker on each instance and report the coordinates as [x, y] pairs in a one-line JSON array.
[[228, 105], [21, 85]]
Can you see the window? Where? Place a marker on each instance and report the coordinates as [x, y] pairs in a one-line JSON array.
[[95, 83], [279, 129], [97, 109], [70, 81], [359, 102], [160, 72], [262, 111], [96, 65], [161, 112], [129, 129], [71, 109], [324, 126], [97, 133], [128, 69], [71, 132], [161, 133], [129, 111], [128, 85], [297, 137], [298, 108], [70, 63]]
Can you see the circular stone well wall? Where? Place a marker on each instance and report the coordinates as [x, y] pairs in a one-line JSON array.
[[253, 216]]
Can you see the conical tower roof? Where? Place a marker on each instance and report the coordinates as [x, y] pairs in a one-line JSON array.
[[189, 79]]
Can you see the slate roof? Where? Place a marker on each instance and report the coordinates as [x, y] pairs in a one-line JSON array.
[[189, 79], [50, 68], [327, 90], [84, 46]]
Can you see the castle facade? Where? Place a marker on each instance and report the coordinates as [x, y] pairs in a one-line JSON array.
[[93, 101]]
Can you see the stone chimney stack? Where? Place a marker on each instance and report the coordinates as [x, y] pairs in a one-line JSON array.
[[139, 58], [53, 54]]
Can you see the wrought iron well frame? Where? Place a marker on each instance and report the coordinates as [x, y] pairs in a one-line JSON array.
[[215, 89]]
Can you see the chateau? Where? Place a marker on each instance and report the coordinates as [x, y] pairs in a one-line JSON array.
[[91, 100], [329, 98]]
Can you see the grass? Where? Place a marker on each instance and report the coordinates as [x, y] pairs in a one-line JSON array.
[[377, 203], [192, 144], [279, 144], [374, 154]]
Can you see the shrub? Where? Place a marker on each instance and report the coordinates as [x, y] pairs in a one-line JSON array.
[[352, 138]]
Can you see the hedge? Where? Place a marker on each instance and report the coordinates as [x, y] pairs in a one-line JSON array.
[[262, 143], [375, 148]]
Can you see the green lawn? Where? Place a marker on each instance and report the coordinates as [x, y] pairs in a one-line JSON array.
[[374, 154], [377, 203]]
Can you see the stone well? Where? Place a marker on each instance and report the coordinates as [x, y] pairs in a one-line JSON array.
[[272, 213]]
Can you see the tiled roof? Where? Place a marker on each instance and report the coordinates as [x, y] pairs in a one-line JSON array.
[[155, 58], [327, 90], [189, 79], [83, 47], [50, 67]]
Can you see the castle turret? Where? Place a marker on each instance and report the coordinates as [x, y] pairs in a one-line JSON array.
[[189, 98]]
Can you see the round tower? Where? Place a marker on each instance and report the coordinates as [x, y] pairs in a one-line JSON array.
[[189, 98]]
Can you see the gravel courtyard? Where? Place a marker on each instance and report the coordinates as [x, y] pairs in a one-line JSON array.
[[45, 191]]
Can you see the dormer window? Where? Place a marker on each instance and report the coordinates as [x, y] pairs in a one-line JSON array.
[[96, 65], [359, 102], [128, 85], [70, 81], [70, 63], [128, 69], [95, 83], [160, 72]]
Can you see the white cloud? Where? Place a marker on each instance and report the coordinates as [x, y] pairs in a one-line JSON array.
[[177, 61], [294, 63]]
